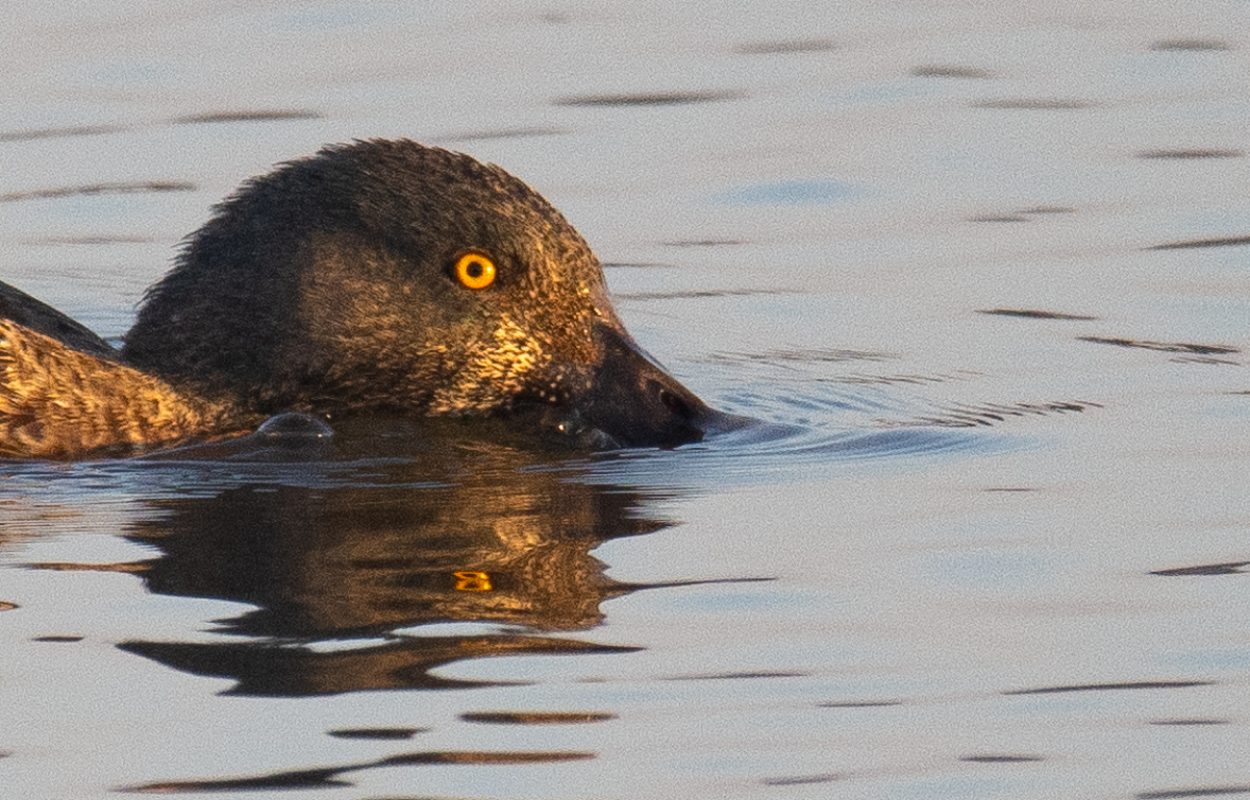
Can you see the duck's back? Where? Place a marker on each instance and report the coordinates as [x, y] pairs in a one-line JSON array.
[[63, 394], [17, 306]]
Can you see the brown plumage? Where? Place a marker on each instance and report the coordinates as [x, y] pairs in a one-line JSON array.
[[327, 287], [57, 402]]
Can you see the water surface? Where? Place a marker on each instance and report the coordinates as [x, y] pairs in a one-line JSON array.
[[981, 273]]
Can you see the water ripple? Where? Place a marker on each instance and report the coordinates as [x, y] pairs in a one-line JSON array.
[[88, 190], [674, 98], [1190, 45], [1032, 313], [790, 193], [1112, 687], [1165, 347], [1224, 568], [328, 777], [785, 47], [1192, 244], [951, 71], [1204, 791]]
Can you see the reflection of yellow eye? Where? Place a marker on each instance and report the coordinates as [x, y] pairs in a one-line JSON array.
[[472, 581], [475, 271]]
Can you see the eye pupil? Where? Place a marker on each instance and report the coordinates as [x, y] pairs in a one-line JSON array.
[[473, 269]]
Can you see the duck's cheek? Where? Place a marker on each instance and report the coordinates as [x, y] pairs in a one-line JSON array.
[[488, 374]]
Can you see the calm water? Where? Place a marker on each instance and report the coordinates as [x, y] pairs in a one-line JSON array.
[[983, 272]]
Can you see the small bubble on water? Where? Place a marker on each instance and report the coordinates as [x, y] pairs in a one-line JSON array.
[[295, 426]]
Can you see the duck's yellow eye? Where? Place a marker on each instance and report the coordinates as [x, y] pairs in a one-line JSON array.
[[475, 271]]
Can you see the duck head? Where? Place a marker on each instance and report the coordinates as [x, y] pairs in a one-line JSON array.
[[386, 276]]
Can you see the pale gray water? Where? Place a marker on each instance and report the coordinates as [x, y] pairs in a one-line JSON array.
[[1005, 554]]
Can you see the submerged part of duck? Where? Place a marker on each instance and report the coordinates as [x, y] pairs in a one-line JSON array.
[[375, 277]]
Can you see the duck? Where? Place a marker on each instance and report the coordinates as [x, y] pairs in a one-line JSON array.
[[374, 277]]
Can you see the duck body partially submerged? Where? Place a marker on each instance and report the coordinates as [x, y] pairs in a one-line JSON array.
[[374, 277]]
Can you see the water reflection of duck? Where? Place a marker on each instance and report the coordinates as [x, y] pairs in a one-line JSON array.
[[375, 276], [370, 565]]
